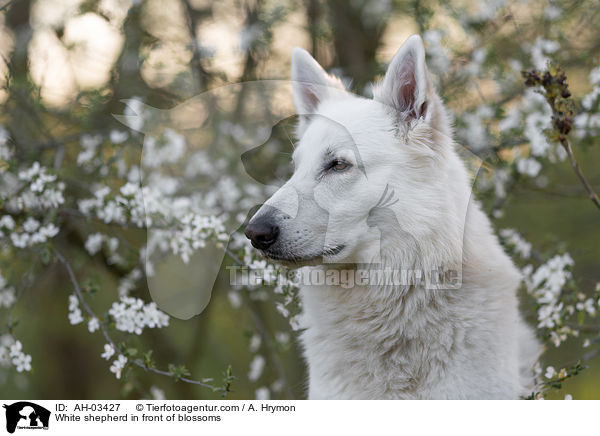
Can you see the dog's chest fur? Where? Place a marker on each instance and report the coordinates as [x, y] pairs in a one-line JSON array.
[[467, 343]]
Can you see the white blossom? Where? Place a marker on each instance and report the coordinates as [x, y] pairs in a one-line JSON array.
[[595, 76], [551, 276], [511, 121], [132, 315], [93, 243], [487, 10], [43, 191], [588, 305], [39, 236], [438, 58], [520, 245], [7, 294], [545, 284], [75, 314], [89, 143], [589, 99], [109, 351], [539, 51], [537, 120], [31, 225], [20, 360], [552, 12], [295, 323], [5, 151], [166, 149], [477, 59], [586, 343], [93, 324], [7, 222], [157, 393], [118, 365], [262, 393], [5, 360], [128, 282], [475, 132], [256, 368], [529, 167], [277, 386], [234, 299], [7, 298], [129, 189], [117, 137], [255, 342], [282, 309], [282, 337]]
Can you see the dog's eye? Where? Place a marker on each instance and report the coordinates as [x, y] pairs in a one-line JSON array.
[[339, 165]]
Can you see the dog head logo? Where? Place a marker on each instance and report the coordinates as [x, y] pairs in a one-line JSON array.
[[191, 154], [26, 415], [366, 186]]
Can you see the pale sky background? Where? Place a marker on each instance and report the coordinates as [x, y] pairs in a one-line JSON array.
[[91, 44]]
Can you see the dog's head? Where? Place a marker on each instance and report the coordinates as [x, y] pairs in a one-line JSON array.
[[366, 171]]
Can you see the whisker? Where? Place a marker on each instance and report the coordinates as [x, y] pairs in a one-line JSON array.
[[389, 196], [290, 139], [382, 196]]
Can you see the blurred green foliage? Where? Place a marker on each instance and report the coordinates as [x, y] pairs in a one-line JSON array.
[[174, 49]]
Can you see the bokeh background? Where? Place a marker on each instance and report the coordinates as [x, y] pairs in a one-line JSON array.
[[67, 65]]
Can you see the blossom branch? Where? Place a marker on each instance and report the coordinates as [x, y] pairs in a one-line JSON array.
[[590, 191], [553, 81], [105, 333], [263, 332]]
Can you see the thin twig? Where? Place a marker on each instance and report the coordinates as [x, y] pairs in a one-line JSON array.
[[591, 194], [255, 317], [264, 332], [585, 358], [266, 338], [553, 81], [584, 328], [6, 5], [104, 331]]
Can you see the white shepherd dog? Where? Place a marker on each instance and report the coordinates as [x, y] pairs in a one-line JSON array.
[[378, 182]]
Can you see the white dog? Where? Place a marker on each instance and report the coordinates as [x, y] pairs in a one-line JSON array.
[[377, 182]]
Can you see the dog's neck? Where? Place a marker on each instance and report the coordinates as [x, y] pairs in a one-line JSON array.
[[378, 313], [363, 332], [359, 333]]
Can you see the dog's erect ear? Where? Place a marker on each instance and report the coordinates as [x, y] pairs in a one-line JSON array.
[[406, 84], [310, 85]]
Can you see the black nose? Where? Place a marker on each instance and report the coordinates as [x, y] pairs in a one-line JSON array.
[[262, 233]]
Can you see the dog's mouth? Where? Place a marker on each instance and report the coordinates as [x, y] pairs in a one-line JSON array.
[[292, 260]]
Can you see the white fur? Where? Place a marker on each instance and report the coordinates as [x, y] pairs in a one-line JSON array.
[[393, 342]]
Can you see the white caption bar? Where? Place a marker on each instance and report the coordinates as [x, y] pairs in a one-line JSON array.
[[21, 417]]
